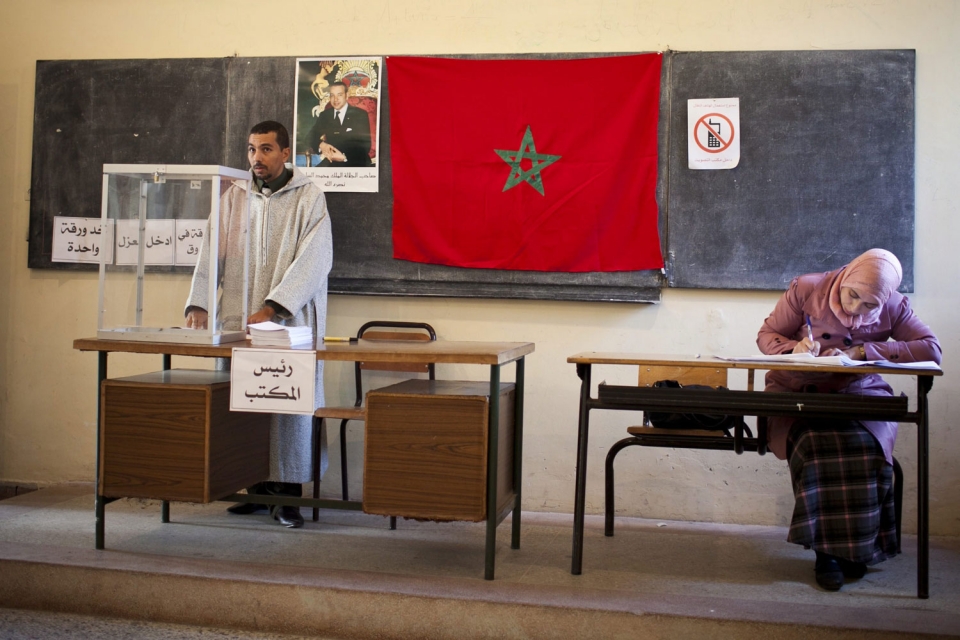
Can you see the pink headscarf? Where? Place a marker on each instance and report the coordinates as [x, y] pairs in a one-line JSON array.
[[875, 275]]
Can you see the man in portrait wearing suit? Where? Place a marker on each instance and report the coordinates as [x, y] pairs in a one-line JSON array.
[[342, 134]]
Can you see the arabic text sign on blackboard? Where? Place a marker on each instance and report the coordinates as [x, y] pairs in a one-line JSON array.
[[79, 240], [189, 236]]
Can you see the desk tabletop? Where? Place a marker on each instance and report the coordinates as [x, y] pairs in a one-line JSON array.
[[607, 357], [439, 351]]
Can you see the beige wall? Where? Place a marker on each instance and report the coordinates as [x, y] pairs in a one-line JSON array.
[[47, 403]]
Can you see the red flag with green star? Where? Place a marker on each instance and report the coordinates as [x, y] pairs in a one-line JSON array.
[[535, 165]]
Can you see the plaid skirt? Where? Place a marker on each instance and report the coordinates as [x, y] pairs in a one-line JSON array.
[[844, 491]]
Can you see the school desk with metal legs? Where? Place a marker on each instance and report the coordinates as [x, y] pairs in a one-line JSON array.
[[493, 354], [753, 403]]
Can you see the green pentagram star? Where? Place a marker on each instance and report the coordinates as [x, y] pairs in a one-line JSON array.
[[529, 151]]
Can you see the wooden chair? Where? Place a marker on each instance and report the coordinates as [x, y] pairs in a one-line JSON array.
[[374, 330], [649, 436]]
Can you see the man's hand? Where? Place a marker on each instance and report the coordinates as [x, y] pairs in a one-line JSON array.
[[266, 313], [197, 319], [331, 153]]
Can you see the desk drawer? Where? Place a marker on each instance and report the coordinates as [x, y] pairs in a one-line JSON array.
[[170, 435], [425, 450]]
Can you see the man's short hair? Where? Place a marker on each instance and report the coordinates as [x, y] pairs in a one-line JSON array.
[[338, 84], [272, 126]]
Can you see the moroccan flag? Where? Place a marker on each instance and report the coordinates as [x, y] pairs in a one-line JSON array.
[[537, 165]]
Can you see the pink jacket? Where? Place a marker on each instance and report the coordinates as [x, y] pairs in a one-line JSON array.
[[898, 335]]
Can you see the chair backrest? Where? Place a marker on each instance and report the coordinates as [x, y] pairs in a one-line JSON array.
[[390, 330], [712, 376]]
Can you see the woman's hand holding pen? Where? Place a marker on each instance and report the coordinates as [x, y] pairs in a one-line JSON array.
[[808, 344]]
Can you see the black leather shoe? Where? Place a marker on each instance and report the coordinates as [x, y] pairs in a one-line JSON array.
[[288, 516], [829, 574], [246, 508], [852, 570]]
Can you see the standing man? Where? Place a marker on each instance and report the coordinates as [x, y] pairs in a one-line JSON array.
[[342, 134], [291, 252]]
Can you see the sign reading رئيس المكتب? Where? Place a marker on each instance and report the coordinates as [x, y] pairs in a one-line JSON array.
[[713, 133], [273, 380]]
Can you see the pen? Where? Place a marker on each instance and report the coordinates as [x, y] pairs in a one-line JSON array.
[[333, 339], [809, 328]]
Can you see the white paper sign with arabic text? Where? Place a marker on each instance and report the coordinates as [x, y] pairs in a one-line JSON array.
[[713, 133], [273, 380], [189, 237], [158, 241], [79, 240]]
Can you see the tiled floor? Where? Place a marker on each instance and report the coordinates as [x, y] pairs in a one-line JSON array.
[[21, 624], [668, 568]]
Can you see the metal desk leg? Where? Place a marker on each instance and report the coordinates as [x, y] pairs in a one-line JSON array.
[[517, 454], [492, 450], [165, 504], [579, 497], [99, 499], [924, 383]]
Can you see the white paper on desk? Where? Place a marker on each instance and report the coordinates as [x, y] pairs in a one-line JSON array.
[[805, 358], [273, 380], [834, 361], [924, 364], [269, 325], [780, 357]]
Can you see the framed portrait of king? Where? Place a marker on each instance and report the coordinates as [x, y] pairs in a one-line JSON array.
[[337, 122]]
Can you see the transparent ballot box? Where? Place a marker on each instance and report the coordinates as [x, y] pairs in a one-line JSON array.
[[158, 224]]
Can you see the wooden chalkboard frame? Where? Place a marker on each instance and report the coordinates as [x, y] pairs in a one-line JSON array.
[[198, 111]]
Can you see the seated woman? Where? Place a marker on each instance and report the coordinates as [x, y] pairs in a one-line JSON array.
[[842, 470]]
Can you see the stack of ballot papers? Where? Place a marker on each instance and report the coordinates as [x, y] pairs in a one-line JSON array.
[[271, 334]]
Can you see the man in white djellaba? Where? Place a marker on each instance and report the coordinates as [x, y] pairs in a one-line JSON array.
[[290, 255]]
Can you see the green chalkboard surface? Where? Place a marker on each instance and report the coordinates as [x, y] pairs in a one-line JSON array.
[[826, 167]]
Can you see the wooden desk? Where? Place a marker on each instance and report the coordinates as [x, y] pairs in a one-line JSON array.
[[753, 403], [494, 354]]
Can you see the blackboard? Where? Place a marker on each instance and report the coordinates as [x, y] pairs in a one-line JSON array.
[[92, 112], [826, 169], [724, 229]]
